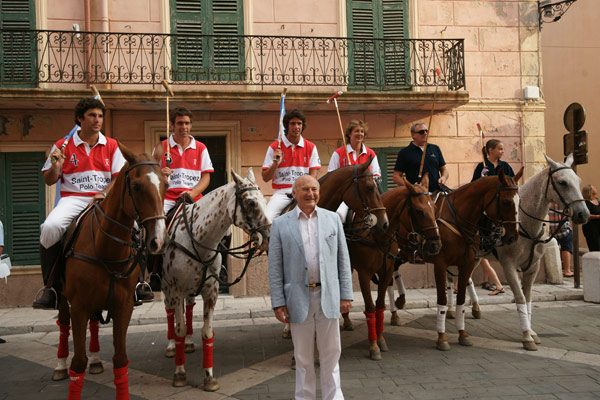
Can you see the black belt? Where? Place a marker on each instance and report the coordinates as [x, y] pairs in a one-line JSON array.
[[314, 285]]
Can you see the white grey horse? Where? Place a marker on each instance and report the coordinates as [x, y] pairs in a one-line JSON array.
[[191, 263], [559, 184]]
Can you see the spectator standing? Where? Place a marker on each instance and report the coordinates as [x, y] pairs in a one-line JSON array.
[[591, 230]]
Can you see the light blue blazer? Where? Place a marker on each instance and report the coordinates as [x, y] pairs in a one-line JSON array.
[[288, 271]]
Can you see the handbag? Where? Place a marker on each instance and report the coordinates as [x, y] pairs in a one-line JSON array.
[[5, 266]]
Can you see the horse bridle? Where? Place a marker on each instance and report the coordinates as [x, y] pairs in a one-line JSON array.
[[239, 202], [128, 186], [354, 182], [418, 232], [567, 210]]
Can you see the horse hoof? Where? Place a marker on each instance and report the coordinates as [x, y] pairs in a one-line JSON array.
[[170, 352], [476, 313], [179, 379], [450, 314], [348, 326], [96, 368], [530, 346], [190, 348], [395, 320], [536, 339], [382, 346], [443, 346], [286, 334], [375, 355], [211, 384], [400, 301], [465, 341], [59, 375]]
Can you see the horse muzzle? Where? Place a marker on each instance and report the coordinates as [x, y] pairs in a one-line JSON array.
[[432, 246]]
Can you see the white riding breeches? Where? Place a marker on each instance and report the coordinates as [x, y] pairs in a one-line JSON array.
[[278, 202], [59, 219]]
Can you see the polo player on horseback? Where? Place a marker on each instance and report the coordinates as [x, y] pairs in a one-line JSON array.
[[86, 165]]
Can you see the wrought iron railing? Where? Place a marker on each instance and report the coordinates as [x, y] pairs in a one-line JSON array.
[[29, 58]]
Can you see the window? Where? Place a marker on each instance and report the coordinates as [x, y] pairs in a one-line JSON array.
[[22, 205], [377, 56], [17, 50], [208, 45], [387, 161]]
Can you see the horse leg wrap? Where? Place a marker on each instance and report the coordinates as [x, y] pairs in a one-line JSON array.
[[529, 307], [170, 323], [63, 341], [440, 323], [94, 344], [399, 282], [390, 294], [207, 352], [472, 292], [523, 317], [189, 318], [179, 350], [75, 385], [122, 382], [460, 317], [450, 293], [371, 326], [379, 320]]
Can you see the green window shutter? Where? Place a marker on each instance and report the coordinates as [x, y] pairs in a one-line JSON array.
[[387, 161], [380, 62], [17, 50], [23, 206], [201, 56]]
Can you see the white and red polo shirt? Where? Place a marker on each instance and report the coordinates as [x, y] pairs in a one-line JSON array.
[[187, 165], [87, 170], [297, 160], [339, 159]]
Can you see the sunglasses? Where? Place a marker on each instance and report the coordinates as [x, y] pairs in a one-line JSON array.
[[422, 131]]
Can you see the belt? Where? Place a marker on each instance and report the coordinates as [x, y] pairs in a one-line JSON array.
[[314, 285]]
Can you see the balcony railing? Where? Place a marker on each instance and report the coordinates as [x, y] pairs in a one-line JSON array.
[[31, 58]]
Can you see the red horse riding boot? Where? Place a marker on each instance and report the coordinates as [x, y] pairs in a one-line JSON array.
[[371, 326], [122, 382], [75, 384], [379, 320], [189, 318]]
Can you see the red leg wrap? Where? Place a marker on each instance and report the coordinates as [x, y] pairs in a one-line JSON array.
[[94, 344], [122, 382], [179, 350], [75, 385], [379, 318], [189, 318], [63, 341], [207, 352], [371, 326], [170, 323]]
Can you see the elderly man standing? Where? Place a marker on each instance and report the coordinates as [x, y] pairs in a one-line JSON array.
[[311, 284]]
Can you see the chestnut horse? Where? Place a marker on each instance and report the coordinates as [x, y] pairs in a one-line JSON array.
[[412, 226], [458, 214], [102, 265]]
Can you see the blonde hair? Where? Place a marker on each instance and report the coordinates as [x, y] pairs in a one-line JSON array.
[[587, 192], [353, 124]]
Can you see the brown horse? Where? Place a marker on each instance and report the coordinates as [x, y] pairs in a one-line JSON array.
[[458, 216], [412, 226], [102, 264]]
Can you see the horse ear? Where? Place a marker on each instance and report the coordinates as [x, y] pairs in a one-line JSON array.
[[410, 186], [502, 177], [519, 174], [238, 179], [364, 166], [425, 180], [569, 160], [250, 175], [551, 162], [128, 154]]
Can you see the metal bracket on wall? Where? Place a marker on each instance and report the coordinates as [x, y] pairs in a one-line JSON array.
[[550, 11]]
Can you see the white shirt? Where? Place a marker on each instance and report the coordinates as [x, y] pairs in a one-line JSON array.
[[309, 229]]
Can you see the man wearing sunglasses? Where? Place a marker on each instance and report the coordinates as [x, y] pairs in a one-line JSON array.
[[409, 160]]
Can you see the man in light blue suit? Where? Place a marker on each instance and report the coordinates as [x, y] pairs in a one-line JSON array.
[[311, 284]]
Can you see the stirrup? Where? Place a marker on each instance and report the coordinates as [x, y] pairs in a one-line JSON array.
[[37, 296]]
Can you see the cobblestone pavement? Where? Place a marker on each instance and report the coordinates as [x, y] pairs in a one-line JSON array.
[[252, 361]]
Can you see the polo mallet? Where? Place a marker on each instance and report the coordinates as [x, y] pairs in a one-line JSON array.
[[334, 98], [281, 115], [437, 81], [481, 137], [168, 94], [70, 135]]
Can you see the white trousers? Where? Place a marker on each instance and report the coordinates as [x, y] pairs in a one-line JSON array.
[[168, 204], [328, 342], [57, 222], [278, 202]]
